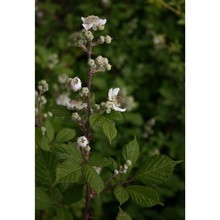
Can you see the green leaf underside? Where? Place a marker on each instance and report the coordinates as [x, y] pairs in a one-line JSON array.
[[73, 194], [44, 144], [116, 116], [65, 135], [45, 165], [68, 172], [155, 169], [49, 130], [98, 160], [60, 111], [107, 125], [42, 199], [68, 151], [144, 196], [122, 215], [131, 151], [94, 180], [121, 194]]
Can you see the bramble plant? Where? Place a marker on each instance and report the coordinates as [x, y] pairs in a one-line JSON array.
[[69, 169]]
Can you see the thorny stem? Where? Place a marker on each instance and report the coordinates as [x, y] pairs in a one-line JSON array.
[[88, 131]]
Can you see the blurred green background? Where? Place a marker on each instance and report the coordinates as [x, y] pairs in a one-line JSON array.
[[147, 57]]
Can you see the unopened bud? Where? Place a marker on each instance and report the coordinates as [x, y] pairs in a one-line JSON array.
[[108, 39], [101, 27], [128, 162], [88, 35], [102, 39], [50, 114], [88, 148], [125, 167], [85, 91], [116, 172], [91, 62], [108, 66]]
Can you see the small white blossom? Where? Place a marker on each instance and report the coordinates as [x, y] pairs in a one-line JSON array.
[[43, 130], [75, 84], [82, 141], [62, 78], [114, 99], [116, 172], [128, 162], [62, 99], [74, 104], [92, 22], [97, 169]]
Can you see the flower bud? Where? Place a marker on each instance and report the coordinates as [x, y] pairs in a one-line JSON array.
[[87, 148], [85, 91], [108, 111], [91, 62], [108, 39], [125, 167], [102, 104], [108, 105], [43, 130], [45, 115], [128, 162], [76, 117], [100, 27], [116, 172], [108, 66], [89, 36], [97, 107], [124, 171], [102, 39], [99, 60], [50, 114]]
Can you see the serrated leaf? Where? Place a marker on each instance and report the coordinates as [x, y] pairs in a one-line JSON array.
[[49, 130], [122, 215], [60, 111], [131, 151], [44, 143], [155, 169], [114, 115], [144, 196], [94, 180], [109, 130], [65, 135], [121, 194], [63, 214], [73, 194], [68, 172], [42, 199], [107, 125], [45, 165], [68, 151], [98, 160]]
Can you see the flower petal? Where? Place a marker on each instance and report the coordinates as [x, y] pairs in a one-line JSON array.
[[87, 26], [116, 91], [118, 109], [110, 94], [83, 19], [102, 21]]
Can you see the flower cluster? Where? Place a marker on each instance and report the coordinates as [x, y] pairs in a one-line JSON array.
[[93, 22], [100, 64], [122, 168], [43, 86], [83, 143]]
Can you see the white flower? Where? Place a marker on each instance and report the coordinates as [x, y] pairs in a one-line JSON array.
[[82, 141], [114, 99], [92, 22], [74, 104], [97, 169], [75, 84], [62, 99]]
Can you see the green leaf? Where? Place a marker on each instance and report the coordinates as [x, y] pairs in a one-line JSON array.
[[65, 135], [107, 125], [144, 196], [94, 180], [121, 194], [116, 116], [109, 130], [49, 130], [155, 169], [60, 111], [73, 194], [122, 215], [45, 165], [98, 160], [63, 214], [131, 151], [68, 172], [44, 144], [42, 199], [68, 151]]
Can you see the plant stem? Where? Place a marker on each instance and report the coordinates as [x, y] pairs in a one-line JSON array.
[[170, 8], [38, 115], [88, 131]]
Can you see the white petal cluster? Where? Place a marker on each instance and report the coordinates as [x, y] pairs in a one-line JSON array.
[[82, 141], [122, 169], [75, 84], [43, 86], [92, 22], [76, 105], [114, 99], [62, 99]]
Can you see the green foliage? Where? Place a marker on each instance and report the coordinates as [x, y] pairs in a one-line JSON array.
[[121, 194], [155, 169], [144, 196], [68, 171], [122, 215], [63, 214], [42, 199], [49, 130], [65, 135], [98, 160], [94, 180]]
